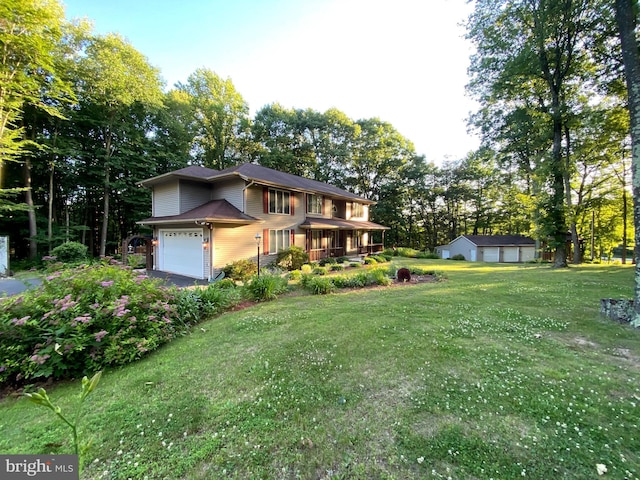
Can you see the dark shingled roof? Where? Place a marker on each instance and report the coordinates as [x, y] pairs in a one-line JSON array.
[[192, 172], [258, 174], [499, 240], [270, 177], [215, 211]]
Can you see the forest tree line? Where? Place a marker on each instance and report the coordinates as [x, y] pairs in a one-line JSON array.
[[85, 117]]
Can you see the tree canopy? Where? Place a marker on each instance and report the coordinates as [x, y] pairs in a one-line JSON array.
[[84, 117]]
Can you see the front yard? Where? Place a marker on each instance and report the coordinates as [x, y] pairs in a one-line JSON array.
[[501, 371]]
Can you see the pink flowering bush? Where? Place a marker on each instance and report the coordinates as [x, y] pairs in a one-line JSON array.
[[84, 319]]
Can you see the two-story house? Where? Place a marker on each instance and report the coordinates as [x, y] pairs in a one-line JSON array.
[[204, 219]]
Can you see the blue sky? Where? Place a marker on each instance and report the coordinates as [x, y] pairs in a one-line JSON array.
[[403, 61]]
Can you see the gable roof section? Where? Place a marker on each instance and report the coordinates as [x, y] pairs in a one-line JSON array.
[[500, 240], [192, 172], [274, 178], [215, 211], [261, 175]]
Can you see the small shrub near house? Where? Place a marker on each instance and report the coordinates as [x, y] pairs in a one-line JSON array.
[[292, 258], [327, 261], [320, 271], [70, 252], [240, 270], [369, 261], [458, 257]]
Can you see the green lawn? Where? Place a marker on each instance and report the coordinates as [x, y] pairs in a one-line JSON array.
[[497, 372]]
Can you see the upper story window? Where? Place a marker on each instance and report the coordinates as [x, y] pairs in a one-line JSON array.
[[357, 210], [314, 203], [279, 201]]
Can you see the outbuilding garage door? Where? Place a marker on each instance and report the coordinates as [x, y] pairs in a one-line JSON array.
[[181, 252], [510, 254], [491, 254]]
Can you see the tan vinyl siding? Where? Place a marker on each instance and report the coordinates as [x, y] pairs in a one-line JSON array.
[[193, 195], [165, 200], [231, 244], [231, 191]]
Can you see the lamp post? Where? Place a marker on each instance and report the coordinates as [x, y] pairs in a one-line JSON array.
[[258, 238]]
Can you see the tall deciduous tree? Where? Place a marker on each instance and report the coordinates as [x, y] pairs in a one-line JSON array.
[[31, 33], [221, 119], [114, 76], [530, 58], [626, 18]]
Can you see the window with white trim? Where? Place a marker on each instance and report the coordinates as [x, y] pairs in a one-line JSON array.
[[279, 240], [314, 203], [279, 201]]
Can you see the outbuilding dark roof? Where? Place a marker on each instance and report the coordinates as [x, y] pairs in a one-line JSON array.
[[499, 240], [215, 211]]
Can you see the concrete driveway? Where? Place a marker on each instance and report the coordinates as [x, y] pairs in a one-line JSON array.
[[12, 286]]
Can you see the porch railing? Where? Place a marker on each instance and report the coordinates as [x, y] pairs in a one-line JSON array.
[[320, 253], [370, 249]]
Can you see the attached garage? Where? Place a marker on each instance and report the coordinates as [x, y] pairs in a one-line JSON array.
[[180, 251]]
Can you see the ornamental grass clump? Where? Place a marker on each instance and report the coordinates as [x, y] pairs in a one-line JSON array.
[[84, 319], [265, 287], [320, 285]]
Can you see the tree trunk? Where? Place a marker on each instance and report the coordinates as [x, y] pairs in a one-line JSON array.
[[575, 241], [107, 188], [105, 215], [625, 19], [50, 214], [625, 209], [558, 202], [33, 227]]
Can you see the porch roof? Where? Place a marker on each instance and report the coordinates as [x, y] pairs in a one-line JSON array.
[[311, 223], [215, 211]]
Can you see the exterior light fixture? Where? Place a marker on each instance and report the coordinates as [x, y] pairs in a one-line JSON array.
[[258, 237]]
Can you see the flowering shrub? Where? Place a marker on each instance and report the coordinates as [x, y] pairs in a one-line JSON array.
[[84, 319]]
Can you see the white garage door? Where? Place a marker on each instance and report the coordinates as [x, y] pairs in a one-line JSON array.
[[511, 254], [491, 254], [181, 252]]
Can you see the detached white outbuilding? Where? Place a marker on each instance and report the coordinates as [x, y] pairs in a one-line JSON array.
[[491, 248]]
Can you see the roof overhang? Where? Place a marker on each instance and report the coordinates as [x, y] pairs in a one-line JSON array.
[[311, 223], [218, 212]]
